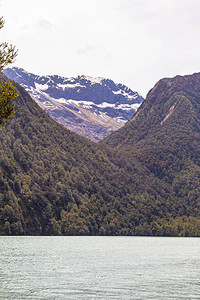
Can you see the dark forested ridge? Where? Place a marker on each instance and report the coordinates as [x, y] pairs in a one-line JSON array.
[[164, 135], [142, 180]]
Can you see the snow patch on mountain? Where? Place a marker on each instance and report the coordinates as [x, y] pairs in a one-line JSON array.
[[41, 87]]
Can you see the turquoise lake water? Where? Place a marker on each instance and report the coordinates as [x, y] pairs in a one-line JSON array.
[[99, 268]]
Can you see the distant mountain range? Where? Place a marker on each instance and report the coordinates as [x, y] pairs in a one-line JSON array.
[[91, 107]]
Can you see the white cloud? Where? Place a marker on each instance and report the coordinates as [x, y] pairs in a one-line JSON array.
[[135, 42]]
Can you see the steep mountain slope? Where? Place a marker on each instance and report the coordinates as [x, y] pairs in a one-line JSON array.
[[91, 107], [164, 135]]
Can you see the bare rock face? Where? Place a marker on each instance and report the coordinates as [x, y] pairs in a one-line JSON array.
[[91, 107]]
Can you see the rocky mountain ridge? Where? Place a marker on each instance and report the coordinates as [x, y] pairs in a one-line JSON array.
[[91, 107]]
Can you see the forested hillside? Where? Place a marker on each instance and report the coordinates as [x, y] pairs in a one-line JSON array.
[[164, 135], [142, 180], [53, 181]]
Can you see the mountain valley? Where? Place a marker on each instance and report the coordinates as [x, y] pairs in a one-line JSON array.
[[143, 179]]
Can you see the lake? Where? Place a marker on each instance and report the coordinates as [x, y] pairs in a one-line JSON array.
[[99, 268]]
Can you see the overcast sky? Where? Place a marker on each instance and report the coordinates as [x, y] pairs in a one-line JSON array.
[[134, 42]]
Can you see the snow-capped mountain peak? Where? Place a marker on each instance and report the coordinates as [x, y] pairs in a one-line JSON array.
[[91, 106]]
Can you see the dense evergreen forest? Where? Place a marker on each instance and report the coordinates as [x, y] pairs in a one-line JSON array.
[[143, 179], [165, 137]]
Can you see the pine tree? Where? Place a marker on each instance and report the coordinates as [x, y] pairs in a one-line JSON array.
[[8, 54]]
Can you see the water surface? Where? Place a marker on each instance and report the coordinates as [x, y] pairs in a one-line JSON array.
[[99, 268]]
